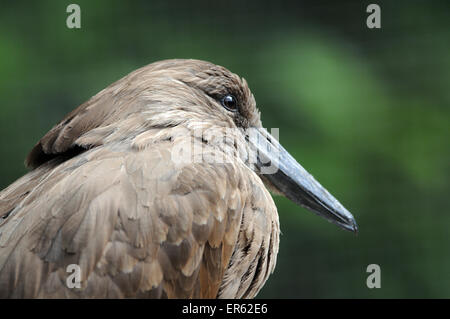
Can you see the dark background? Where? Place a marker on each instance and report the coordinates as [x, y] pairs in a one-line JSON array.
[[366, 111]]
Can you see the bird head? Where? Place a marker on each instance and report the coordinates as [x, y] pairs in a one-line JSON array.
[[200, 98], [202, 95]]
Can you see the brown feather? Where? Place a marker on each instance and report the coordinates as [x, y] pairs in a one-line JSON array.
[[105, 194]]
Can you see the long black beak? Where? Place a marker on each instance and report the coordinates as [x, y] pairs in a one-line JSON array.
[[281, 170]]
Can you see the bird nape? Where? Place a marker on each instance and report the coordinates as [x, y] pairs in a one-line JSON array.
[[156, 187]]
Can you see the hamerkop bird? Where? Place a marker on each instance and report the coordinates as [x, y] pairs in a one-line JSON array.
[[115, 190]]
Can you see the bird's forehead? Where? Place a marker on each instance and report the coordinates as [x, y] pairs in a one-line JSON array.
[[217, 82], [211, 78], [214, 80]]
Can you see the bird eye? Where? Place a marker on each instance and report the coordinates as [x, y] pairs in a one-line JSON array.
[[230, 103]]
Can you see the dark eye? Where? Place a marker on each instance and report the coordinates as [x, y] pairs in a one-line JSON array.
[[230, 102]]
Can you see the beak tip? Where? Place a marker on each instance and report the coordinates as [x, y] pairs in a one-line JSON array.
[[352, 226], [355, 229]]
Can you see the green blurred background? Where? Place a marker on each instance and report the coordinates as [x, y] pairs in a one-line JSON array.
[[366, 111]]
